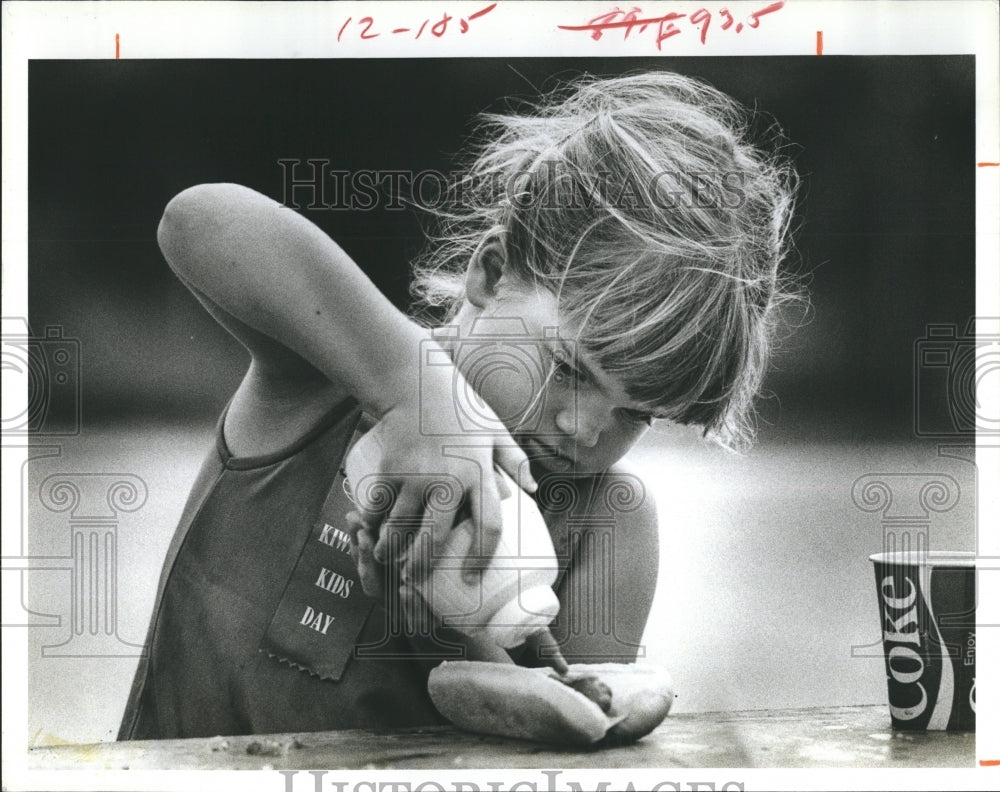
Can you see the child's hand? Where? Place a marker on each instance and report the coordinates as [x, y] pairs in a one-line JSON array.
[[541, 649], [390, 469], [373, 574]]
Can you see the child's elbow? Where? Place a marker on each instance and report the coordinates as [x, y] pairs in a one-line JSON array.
[[186, 212], [180, 221], [190, 219]]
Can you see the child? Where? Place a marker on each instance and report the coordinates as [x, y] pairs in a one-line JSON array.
[[628, 233]]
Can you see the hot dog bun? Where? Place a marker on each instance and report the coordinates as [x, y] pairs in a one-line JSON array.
[[641, 696], [511, 701], [536, 704]]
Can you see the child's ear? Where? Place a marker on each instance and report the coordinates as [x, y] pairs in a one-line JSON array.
[[486, 267]]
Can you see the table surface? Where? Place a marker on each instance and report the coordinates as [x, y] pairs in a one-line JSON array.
[[829, 737]]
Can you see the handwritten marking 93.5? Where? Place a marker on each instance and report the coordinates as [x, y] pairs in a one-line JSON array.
[[664, 25]]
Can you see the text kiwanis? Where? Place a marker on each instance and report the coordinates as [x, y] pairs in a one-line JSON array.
[[336, 538], [328, 580]]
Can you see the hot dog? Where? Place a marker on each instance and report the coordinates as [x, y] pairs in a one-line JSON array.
[[539, 704]]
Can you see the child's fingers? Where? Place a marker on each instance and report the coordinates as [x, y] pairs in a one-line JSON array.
[[481, 648], [502, 487], [354, 523], [355, 527], [487, 520], [362, 534], [547, 650], [368, 520], [403, 521], [422, 549], [438, 524], [371, 573], [515, 462]]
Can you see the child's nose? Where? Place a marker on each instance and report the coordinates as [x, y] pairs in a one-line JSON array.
[[584, 423]]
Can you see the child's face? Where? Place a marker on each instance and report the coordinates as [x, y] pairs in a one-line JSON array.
[[550, 395]]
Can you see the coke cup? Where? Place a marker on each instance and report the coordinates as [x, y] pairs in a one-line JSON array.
[[927, 604]]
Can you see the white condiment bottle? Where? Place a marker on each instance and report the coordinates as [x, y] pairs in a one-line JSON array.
[[512, 598]]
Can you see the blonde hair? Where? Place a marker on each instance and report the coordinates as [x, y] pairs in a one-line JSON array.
[[640, 202]]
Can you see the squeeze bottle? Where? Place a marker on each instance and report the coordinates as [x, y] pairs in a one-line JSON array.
[[512, 598]]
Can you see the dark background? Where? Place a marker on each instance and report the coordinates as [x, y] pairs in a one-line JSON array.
[[885, 226]]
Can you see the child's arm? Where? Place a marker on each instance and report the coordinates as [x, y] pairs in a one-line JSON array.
[[607, 592], [303, 309]]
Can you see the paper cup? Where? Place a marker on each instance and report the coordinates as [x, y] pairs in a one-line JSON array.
[[928, 612]]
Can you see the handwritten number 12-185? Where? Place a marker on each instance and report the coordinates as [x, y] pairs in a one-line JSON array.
[[368, 30]]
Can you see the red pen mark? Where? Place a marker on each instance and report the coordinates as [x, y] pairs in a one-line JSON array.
[[702, 17], [988, 165], [612, 20], [990, 762], [118, 51], [754, 19], [438, 29], [663, 33], [629, 20], [482, 12], [819, 42], [367, 22], [632, 19]]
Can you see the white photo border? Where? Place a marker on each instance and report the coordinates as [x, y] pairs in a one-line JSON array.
[[165, 30]]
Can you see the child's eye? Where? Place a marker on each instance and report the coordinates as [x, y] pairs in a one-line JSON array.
[[564, 369]]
